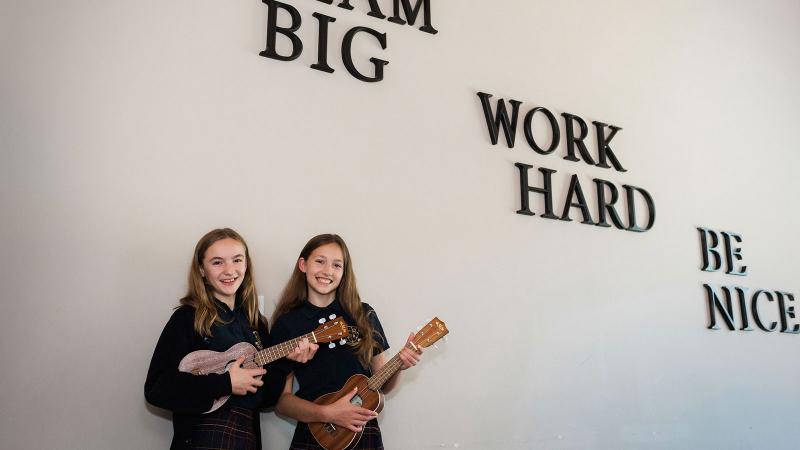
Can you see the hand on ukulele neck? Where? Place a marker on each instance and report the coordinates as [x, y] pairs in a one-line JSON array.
[[304, 351], [411, 354]]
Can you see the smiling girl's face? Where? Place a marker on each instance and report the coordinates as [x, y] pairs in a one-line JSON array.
[[224, 266], [323, 268]]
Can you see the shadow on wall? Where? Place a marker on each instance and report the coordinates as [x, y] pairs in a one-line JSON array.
[[162, 413]]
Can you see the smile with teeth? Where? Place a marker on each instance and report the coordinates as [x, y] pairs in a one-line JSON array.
[[229, 281], [323, 280]]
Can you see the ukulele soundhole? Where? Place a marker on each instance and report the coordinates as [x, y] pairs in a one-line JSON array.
[[357, 400]]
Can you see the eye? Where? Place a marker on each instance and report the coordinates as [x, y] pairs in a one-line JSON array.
[[238, 260], [216, 262], [338, 265]]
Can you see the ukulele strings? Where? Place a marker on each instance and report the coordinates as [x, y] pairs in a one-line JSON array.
[[274, 352]]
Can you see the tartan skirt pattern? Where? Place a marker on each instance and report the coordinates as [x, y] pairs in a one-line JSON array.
[[228, 428], [370, 438]]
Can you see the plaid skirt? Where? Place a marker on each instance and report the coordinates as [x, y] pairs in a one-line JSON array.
[[370, 438], [229, 428]]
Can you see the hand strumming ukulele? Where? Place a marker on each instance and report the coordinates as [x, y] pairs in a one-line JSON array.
[[368, 395], [203, 362]]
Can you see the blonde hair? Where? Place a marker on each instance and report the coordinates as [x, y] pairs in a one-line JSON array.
[[199, 294], [296, 292]]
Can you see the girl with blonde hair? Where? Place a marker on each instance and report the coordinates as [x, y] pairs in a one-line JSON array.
[[220, 309]]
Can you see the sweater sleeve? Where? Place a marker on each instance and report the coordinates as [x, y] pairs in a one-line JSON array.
[[181, 392]]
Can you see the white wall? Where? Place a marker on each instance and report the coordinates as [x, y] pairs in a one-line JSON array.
[[131, 128]]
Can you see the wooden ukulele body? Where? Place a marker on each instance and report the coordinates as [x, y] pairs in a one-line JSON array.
[[369, 395], [334, 437]]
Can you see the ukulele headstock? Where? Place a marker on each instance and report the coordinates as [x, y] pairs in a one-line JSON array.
[[430, 333], [332, 330]]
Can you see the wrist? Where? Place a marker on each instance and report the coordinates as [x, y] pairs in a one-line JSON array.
[[325, 413]]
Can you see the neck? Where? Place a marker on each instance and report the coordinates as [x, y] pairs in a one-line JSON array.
[[228, 300], [321, 300]]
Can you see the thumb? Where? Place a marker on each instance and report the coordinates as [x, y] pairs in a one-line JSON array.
[[351, 394], [239, 361]]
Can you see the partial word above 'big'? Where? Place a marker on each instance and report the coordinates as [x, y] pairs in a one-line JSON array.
[[403, 12]]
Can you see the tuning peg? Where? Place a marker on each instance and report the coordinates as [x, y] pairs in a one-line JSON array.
[[322, 320], [331, 345], [332, 316], [444, 338], [342, 341], [436, 346]]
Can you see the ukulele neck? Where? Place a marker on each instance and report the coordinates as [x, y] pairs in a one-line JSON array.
[[276, 352], [387, 371]]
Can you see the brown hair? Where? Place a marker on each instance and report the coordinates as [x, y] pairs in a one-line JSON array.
[[200, 294], [296, 292]]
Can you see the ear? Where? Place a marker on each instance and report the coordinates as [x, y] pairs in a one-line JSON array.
[[301, 264], [202, 273]]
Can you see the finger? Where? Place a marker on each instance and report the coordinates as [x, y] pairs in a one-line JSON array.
[[367, 416], [409, 359], [303, 355], [410, 354], [367, 412], [300, 354], [257, 382], [415, 355], [239, 361]]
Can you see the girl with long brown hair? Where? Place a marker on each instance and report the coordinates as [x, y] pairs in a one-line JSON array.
[[220, 309], [323, 284]]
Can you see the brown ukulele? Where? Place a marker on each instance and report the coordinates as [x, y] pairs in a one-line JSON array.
[[203, 362], [368, 395]]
